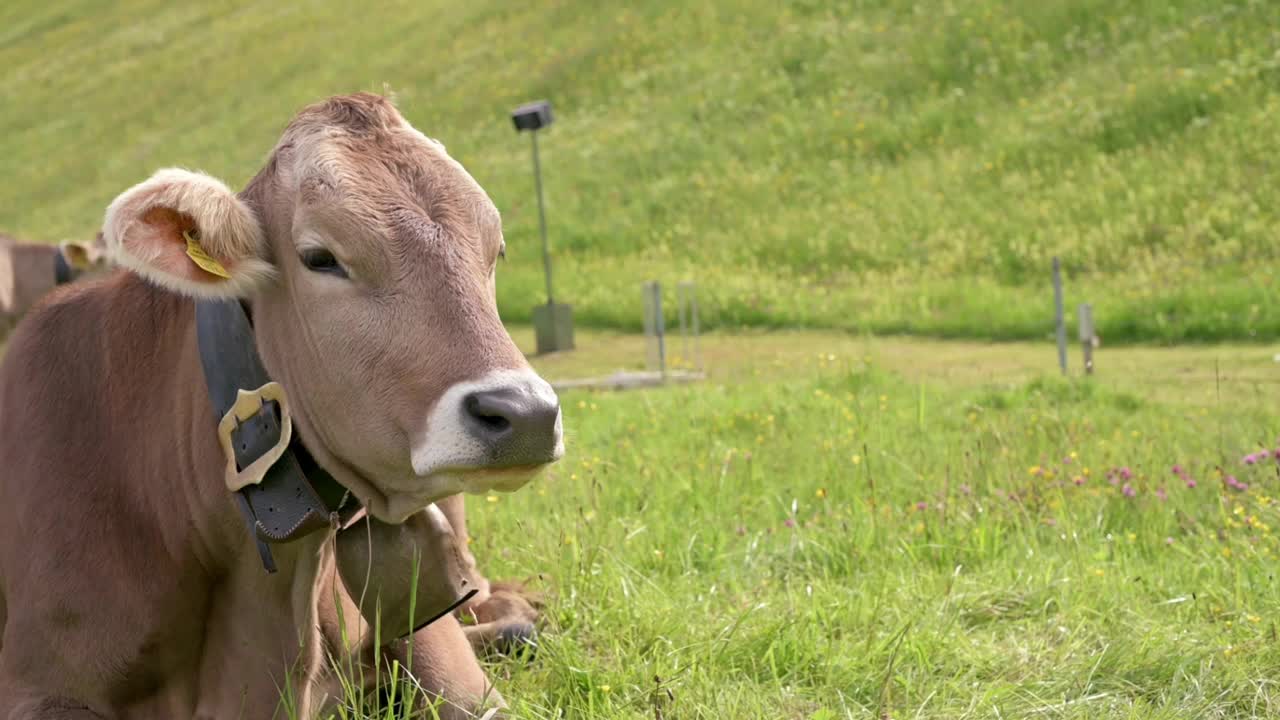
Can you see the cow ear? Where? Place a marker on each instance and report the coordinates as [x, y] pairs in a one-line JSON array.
[[186, 231], [79, 255]]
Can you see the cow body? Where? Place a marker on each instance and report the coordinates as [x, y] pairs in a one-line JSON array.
[[129, 586], [142, 599], [28, 271]]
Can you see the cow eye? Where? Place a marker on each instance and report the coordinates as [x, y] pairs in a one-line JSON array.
[[322, 261]]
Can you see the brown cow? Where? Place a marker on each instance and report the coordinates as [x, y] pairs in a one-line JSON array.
[[30, 270], [366, 257]]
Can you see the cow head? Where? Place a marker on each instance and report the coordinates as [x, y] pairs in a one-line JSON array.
[[85, 258], [368, 258]]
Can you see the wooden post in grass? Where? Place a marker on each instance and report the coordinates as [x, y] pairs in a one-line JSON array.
[[1057, 312], [1087, 336]]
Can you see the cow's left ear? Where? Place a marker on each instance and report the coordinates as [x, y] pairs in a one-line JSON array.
[[186, 231], [83, 256]]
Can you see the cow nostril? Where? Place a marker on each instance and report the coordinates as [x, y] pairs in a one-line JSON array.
[[489, 413], [493, 423]]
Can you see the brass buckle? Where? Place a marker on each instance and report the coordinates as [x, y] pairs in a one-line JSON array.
[[249, 403]]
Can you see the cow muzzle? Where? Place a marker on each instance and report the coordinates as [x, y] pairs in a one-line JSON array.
[[495, 432]]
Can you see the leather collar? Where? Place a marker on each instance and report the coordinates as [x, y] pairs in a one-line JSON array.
[[62, 272], [296, 496]]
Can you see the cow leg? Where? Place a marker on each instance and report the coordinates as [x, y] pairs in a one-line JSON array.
[[502, 614], [46, 708], [441, 661], [438, 659]]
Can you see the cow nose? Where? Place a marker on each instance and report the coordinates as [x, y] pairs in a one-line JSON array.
[[517, 425]]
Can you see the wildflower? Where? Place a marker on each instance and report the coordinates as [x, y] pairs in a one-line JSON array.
[[922, 506], [605, 688], [855, 459], [1128, 490], [1249, 459], [1160, 493], [1126, 473], [821, 493], [789, 522], [1235, 484], [965, 489], [492, 498], [1078, 480], [1034, 470], [1168, 541], [1177, 470], [1191, 483], [1066, 460]]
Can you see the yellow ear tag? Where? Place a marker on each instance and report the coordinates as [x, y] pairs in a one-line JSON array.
[[201, 258]]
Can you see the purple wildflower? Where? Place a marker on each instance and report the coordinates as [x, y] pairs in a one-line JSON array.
[[1126, 473], [1191, 483], [1250, 459], [789, 522], [1177, 470], [1128, 490], [1078, 480], [1160, 493], [922, 505]]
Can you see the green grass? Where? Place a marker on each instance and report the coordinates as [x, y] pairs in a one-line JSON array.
[[830, 527], [840, 528], [877, 165]]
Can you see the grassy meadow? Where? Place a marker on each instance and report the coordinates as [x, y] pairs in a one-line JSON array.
[[836, 527], [868, 510], [875, 165]]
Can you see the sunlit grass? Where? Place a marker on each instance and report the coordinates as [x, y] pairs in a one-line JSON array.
[[841, 540], [873, 166]]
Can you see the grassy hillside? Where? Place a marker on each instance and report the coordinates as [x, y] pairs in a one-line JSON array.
[[876, 164]]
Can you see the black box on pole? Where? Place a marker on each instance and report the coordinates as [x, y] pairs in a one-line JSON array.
[[532, 116]]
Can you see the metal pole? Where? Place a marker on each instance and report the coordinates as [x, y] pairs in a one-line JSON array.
[[660, 323], [542, 217], [1086, 336], [682, 301], [697, 335], [1057, 310]]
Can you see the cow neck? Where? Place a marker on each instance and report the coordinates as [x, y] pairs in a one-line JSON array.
[[295, 496]]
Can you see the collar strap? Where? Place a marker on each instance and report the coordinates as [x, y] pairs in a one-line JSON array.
[[287, 495], [62, 272]]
